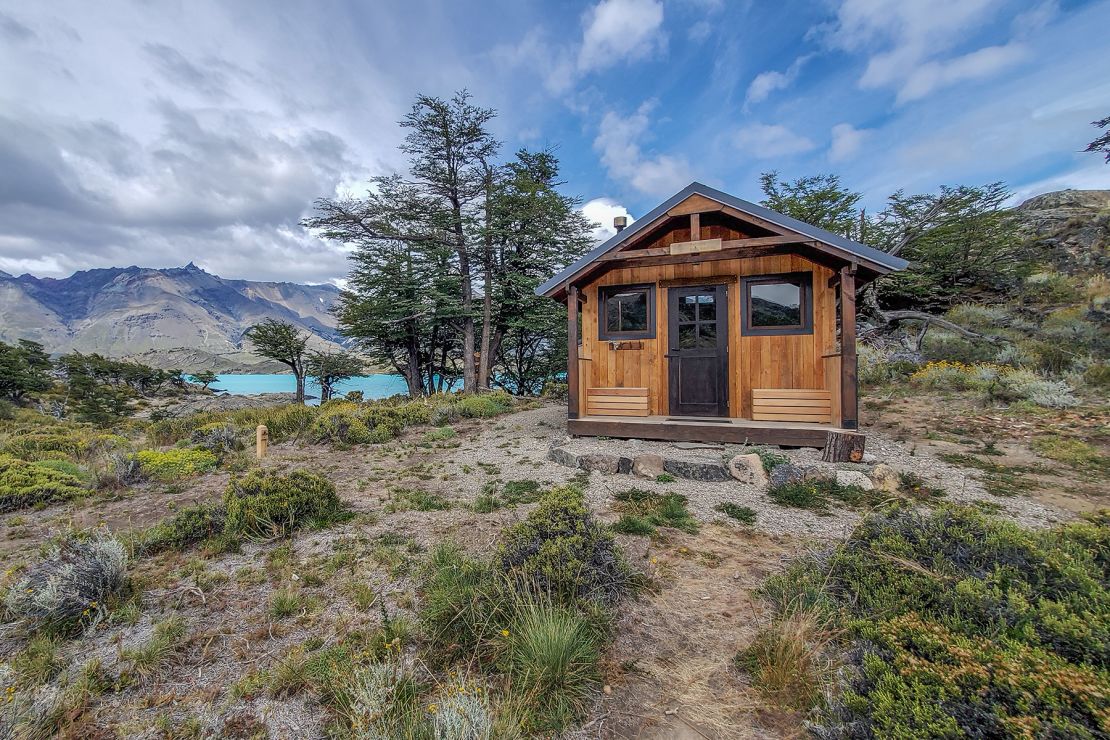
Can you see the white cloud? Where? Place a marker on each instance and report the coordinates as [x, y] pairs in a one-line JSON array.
[[618, 141], [767, 82], [601, 212], [763, 141], [620, 30], [846, 141], [907, 42], [699, 31]]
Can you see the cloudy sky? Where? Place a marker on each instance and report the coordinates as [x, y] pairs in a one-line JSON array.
[[159, 132]]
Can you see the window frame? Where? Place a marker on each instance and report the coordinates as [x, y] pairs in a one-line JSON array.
[[603, 294], [804, 281]]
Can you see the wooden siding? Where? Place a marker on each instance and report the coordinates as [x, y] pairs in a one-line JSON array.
[[790, 361]]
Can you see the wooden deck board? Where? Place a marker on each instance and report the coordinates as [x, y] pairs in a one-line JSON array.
[[734, 431]]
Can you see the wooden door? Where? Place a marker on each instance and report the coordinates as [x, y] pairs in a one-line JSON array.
[[697, 347]]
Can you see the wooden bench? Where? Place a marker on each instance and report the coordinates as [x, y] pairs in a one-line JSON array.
[[616, 401], [792, 404]]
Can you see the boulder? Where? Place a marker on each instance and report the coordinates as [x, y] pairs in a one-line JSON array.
[[854, 478], [562, 457], [816, 472], [748, 469], [885, 478], [785, 473], [707, 471], [648, 466], [610, 464]]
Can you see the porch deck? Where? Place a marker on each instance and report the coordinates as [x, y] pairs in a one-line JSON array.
[[697, 429]]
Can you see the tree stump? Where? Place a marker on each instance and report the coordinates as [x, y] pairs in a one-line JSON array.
[[844, 447]]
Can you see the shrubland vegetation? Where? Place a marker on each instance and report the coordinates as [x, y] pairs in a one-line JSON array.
[[944, 623]]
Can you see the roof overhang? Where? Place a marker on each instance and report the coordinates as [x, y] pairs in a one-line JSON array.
[[789, 235]]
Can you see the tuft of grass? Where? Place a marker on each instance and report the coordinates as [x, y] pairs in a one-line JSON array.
[[914, 486], [267, 504], [38, 662], [659, 510], [415, 499], [742, 514], [787, 660], [486, 503], [665, 478], [551, 658], [440, 434], [635, 525], [160, 650], [817, 494], [285, 603]]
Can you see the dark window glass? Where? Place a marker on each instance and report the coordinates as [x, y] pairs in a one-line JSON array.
[[687, 336], [776, 304], [708, 334], [627, 312]]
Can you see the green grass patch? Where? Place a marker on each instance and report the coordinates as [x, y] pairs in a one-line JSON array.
[[997, 479], [657, 509], [743, 514], [818, 494], [415, 499], [168, 466], [25, 484], [1081, 455], [634, 525]]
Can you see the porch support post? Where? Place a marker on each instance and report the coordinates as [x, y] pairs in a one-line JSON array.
[[572, 351], [849, 391]]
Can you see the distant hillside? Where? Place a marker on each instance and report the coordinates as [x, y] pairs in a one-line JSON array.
[[179, 317]]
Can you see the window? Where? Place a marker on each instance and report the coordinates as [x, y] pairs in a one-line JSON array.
[[777, 304], [627, 312]]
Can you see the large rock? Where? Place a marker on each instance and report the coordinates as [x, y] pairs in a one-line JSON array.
[[885, 478], [648, 466], [748, 469], [610, 464], [854, 478], [707, 471], [562, 457], [786, 473]]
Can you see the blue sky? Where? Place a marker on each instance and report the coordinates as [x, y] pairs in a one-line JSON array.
[[156, 133]]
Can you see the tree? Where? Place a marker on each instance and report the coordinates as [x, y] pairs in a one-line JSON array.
[[204, 377], [24, 369], [1102, 143], [329, 368], [281, 341], [818, 200]]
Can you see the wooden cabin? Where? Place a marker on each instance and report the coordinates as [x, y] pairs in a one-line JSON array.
[[713, 319]]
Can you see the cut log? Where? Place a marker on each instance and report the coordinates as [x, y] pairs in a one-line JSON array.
[[844, 447]]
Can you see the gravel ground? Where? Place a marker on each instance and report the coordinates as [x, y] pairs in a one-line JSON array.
[[517, 446]]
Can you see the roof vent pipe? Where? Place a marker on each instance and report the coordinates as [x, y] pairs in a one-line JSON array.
[[619, 222]]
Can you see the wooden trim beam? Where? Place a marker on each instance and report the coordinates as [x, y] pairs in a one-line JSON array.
[[716, 256], [849, 389], [708, 432], [572, 351], [695, 227], [755, 241], [712, 280]]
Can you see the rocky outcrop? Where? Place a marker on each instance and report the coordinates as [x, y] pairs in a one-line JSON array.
[[1069, 229]]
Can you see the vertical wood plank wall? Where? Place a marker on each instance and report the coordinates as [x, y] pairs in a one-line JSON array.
[[793, 361]]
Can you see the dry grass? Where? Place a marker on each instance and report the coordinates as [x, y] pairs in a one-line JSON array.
[[789, 660]]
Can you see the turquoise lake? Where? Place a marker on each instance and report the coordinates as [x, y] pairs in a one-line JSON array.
[[372, 386]]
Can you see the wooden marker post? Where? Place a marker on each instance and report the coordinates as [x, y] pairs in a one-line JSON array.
[[261, 440]]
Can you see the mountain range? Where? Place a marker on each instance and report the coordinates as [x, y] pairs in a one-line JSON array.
[[179, 317]]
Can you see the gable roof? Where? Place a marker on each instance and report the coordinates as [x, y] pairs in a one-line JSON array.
[[877, 260]]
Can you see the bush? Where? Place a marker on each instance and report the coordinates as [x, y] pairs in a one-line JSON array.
[[168, 466], [960, 624], [268, 504], [219, 438], [818, 494], [187, 527], [484, 405], [551, 657], [24, 484], [340, 425], [1097, 375], [39, 445], [786, 660], [462, 714], [71, 586], [383, 701], [561, 551]]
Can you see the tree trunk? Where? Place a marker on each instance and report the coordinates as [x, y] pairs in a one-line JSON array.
[[300, 385], [470, 374], [485, 361], [844, 447]]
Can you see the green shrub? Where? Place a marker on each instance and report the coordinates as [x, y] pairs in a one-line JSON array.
[[71, 586], [410, 499], [561, 551], [484, 405], [770, 459], [964, 625], [551, 656], [219, 438], [440, 434], [40, 445], [1097, 375], [634, 525], [24, 484], [939, 345], [269, 504], [176, 464], [742, 514], [187, 527], [340, 425], [658, 510]]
